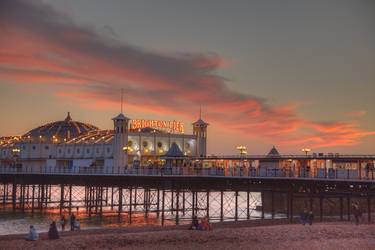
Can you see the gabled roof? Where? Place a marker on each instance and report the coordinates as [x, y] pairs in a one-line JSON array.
[[273, 152], [174, 151]]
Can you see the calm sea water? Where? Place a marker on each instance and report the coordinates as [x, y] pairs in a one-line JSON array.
[[16, 223]]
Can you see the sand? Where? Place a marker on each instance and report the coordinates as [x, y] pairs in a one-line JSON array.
[[334, 235]]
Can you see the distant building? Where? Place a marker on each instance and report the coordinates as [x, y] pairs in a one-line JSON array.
[[73, 144]]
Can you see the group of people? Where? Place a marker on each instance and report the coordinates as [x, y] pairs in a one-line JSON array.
[[53, 233], [74, 223], [203, 224], [307, 217]]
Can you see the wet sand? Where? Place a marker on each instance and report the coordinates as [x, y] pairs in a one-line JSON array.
[[232, 235]]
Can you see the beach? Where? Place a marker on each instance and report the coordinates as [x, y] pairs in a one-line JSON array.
[[240, 235]]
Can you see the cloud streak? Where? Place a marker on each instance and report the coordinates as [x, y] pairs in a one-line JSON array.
[[42, 46]]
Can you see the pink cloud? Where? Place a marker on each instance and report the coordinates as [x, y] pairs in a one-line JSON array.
[[41, 46]]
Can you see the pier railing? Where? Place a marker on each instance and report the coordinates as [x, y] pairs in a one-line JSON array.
[[239, 172]]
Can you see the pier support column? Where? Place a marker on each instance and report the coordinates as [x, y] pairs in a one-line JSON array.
[[119, 202], [14, 196], [320, 208], [130, 204], [369, 208], [61, 198], [32, 200], [263, 203], [162, 207], [273, 205], [248, 205], [348, 205], [221, 206], [291, 207], [236, 206], [208, 204], [341, 208], [177, 206]]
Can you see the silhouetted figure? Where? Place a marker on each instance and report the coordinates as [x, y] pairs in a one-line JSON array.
[[357, 212], [194, 223], [63, 223], [33, 234], [72, 221], [310, 217], [77, 224], [304, 216], [52, 232]]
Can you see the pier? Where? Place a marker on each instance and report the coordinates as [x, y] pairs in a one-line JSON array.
[[221, 188]]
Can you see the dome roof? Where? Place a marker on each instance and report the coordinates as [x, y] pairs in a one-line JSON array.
[[61, 129]]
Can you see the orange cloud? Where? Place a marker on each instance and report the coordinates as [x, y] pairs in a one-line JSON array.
[[41, 46]]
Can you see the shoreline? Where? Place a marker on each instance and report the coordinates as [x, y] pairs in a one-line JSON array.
[[226, 235], [154, 228]]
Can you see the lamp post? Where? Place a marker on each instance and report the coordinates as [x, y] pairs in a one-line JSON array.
[[242, 150], [306, 150]]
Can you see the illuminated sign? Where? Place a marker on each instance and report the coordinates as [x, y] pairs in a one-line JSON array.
[[170, 126]]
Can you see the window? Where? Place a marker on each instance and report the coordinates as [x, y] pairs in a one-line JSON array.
[[97, 150], [78, 151], [60, 151], [88, 151], [160, 144], [68, 150], [33, 147], [108, 150], [46, 147]]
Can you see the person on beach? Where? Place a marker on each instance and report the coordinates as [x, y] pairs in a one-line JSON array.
[[311, 218], [52, 232], [204, 225], [77, 224], [72, 221], [304, 216], [63, 222], [33, 234], [357, 212], [194, 223]]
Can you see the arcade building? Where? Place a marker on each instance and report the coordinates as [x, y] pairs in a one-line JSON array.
[[69, 144]]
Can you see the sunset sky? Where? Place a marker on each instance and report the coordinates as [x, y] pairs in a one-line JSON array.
[[292, 74]]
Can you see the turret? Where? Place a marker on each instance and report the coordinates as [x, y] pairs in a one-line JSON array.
[[200, 131], [120, 152]]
